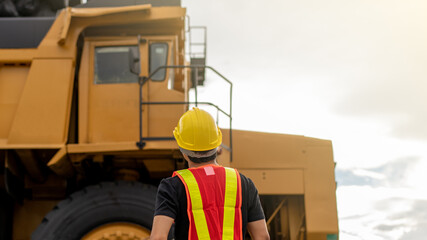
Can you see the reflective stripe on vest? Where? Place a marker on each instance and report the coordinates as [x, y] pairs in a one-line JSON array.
[[231, 203], [196, 204]]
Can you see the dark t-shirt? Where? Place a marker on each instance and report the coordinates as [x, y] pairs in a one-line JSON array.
[[172, 202]]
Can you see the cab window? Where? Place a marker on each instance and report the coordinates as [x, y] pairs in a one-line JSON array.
[[158, 57], [112, 65]]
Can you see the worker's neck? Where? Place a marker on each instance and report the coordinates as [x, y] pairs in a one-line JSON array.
[[195, 165]]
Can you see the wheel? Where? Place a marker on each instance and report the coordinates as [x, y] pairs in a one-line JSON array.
[[110, 210]]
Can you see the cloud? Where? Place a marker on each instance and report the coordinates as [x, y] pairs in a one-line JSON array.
[[411, 222], [419, 214], [380, 213], [349, 178], [382, 202], [397, 171], [390, 174], [370, 174]]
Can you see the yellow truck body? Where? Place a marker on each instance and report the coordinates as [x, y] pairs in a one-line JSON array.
[[70, 119]]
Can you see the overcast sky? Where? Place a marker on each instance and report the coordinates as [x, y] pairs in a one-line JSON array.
[[353, 71]]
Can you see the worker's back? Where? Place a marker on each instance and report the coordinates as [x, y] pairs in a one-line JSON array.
[[211, 179], [214, 193]]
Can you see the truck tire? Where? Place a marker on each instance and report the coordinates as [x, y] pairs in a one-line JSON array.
[[97, 205]]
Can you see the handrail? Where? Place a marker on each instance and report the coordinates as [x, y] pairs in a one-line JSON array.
[[143, 80]]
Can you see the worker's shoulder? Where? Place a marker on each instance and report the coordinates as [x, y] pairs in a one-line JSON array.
[[172, 182]]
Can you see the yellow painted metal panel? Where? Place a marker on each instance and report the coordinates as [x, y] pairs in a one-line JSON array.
[[159, 124], [5, 145], [281, 181], [112, 109], [223, 158], [93, 12], [258, 150], [17, 55], [320, 198], [119, 146], [66, 29], [12, 80], [101, 147], [84, 77], [43, 112], [113, 112], [109, 112]]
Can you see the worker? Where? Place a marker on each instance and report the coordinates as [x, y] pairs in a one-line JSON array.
[[206, 201]]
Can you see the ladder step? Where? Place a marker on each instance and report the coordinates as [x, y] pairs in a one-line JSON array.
[[198, 61]]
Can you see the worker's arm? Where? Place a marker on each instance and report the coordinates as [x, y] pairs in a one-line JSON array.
[[161, 226], [258, 230]]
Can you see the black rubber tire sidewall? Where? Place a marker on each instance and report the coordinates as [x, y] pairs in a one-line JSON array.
[[96, 205]]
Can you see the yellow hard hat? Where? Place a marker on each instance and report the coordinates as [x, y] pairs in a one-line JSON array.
[[197, 131]]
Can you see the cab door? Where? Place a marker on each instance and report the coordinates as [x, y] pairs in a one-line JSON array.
[[109, 92]]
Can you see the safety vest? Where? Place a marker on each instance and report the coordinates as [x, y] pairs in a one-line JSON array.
[[214, 200]]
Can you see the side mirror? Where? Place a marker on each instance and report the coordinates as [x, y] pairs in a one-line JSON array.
[[133, 57]]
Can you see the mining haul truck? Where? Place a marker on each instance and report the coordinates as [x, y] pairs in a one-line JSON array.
[[89, 98]]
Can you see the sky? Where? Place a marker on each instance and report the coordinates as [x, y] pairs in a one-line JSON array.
[[352, 71]]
